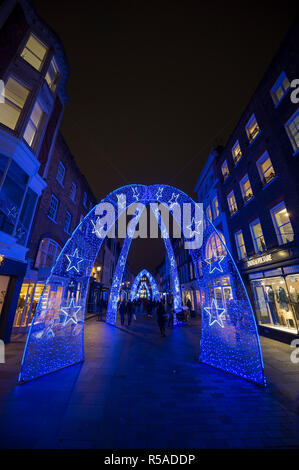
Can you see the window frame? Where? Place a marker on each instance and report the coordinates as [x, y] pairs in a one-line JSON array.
[[53, 197], [69, 216], [254, 238], [13, 105], [49, 241], [279, 84], [251, 137], [238, 246], [239, 154], [259, 163], [225, 175], [276, 227], [241, 183], [39, 129], [292, 140], [71, 191], [61, 164], [43, 61], [231, 206]]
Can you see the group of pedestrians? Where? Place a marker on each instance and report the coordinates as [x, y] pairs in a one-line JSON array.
[[163, 310]]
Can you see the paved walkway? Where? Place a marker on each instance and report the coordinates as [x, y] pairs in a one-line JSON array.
[[138, 390]]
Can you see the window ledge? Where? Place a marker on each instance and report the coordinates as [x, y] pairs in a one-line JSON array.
[[296, 152], [232, 215], [253, 140], [268, 184], [247, 202], [281, 99], [60, 184]]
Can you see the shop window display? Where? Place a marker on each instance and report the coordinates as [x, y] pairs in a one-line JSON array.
[[4, 281], [293, 287], [273, 304]]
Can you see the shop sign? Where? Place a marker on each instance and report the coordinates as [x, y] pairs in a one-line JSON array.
[[267, 258], [259, 260]]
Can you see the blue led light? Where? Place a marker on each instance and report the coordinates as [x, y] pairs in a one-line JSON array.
[[155, 291], [229, 337]]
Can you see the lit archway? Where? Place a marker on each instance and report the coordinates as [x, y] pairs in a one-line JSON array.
[[152, 282], [229, 338]]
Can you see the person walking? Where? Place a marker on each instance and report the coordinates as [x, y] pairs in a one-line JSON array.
[[169, 311], [161, 318], [100, 309], [129, 311], [122, 311]]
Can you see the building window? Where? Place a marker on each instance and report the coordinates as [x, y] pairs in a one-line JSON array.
[[85, 200], [292, 128], [52, 76], [60, 173], [215, 247], [236, 151], [232, 204], [280, 88], [265, 168], [47, 253], [215, 207], [282, 224], [73, 191], [11, 197], [35, 126], [14, 96], [67, 222], [252, 128], [224, 169], [34, 52], [246, 189], [208, 212], [257, 236], [53, 208], [241, 249]]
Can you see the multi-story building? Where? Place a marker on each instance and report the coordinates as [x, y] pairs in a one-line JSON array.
[[34, 70], [65, 201], [258, 171]]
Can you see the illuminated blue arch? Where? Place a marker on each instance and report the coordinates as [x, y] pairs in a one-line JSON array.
[[152, 281], [229, 338], [147, 290]]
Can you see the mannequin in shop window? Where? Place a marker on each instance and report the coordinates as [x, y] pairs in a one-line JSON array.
[[271, 304], [294, 296], [283, 301]]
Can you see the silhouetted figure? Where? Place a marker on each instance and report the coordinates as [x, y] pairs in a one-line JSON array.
[[122, 311], [161, 318], [169, 311], [129, 311]]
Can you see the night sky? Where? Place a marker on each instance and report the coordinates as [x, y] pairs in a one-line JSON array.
[[154, 85]]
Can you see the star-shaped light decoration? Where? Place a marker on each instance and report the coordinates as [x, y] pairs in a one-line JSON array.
[[135, 193], [215, 314], [98, 231], [48, 331], [74, 261], [71, 312], [196, 224], [173, 200], [121, 200], [12, 213], [122, 261], [214, 263], [115, 282], [159, 193]]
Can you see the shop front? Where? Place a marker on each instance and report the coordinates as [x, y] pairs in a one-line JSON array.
[[273, 285]]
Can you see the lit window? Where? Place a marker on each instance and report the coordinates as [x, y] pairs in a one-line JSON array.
[[241, 249], [265, 168], [60, 173], [252, 128], [282, 224], [34, 52], [280, 88], [52, 76], [246, 189], [257, 236], [215, 246], [35, 126], [236, 151], [232, 204], [85, 200], [53, 208], [215, 207], [224, 169], [209, 213], [14, 96], [292, 128], [47, 253], [67, 222], [73, 191]]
